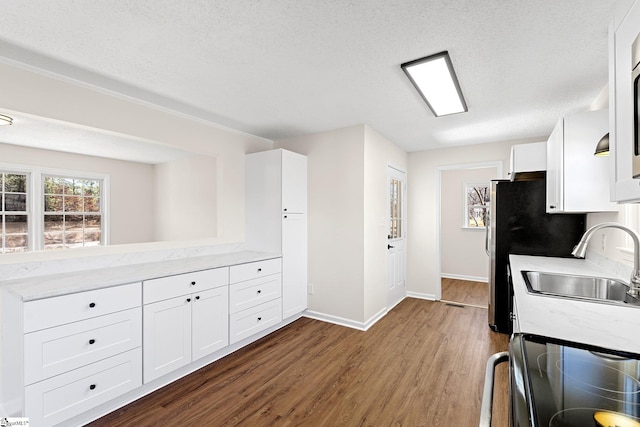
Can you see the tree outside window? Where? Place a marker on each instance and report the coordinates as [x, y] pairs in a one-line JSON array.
[[72, 212], [14, 215], [476, 204]]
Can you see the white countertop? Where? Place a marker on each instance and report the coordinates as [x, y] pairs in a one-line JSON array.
[[606, 325], [45, 286]]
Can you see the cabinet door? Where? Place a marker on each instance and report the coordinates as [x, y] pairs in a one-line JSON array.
[[167, 336], [625, 187], [294, 183], [555, 156], [294, 264], [210, 321]]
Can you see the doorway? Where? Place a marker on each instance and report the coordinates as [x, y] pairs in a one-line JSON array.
[[463, 263]]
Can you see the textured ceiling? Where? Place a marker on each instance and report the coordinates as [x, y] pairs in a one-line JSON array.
[[283, 68]]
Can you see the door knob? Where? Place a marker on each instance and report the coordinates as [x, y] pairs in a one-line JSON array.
[[390, 247]]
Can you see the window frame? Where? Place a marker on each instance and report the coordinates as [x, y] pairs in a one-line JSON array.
[[466, 206], [7, 168], [35, 199]]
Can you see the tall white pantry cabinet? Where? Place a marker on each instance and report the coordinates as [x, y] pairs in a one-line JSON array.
[[276, 218]]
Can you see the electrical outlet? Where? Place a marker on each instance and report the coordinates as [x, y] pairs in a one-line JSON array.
[[310, 289]]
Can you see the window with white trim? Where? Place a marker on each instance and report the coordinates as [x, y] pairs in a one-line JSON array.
[[47, 209], [72, 212], [14, 214], [476, 204]]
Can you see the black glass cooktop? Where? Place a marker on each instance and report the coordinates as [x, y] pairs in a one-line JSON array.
[[576, 385]]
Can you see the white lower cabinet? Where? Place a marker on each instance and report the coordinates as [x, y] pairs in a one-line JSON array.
[[186, 327], [255, 319], [255, 298], [65, 356], [59, 398]]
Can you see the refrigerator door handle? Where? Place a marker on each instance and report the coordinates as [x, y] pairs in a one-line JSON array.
[[486, 236]]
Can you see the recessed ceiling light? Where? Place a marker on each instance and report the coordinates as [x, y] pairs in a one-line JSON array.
[[5, 120], [436, 81]]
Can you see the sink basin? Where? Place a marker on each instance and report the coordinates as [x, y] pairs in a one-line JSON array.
[[597, 289]]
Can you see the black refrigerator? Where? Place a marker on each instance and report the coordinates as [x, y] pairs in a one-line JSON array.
[[519, 224]]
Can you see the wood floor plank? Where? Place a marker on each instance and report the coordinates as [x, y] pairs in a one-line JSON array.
[[421, 365], [465, 291]]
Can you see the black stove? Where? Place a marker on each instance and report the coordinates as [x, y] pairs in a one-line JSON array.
[[563, 384]]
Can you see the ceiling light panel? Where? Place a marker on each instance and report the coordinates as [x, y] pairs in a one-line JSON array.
[[436, 81]]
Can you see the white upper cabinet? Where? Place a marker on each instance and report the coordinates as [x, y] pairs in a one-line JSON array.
[[578, 181], [527, 158], [294, 182], [622, 33]]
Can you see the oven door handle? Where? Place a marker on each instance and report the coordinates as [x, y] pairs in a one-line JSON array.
[[487, 394]]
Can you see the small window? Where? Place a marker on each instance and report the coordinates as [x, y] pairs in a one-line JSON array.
[[476, 205], [14, 214], [396, 230], [72, 212]]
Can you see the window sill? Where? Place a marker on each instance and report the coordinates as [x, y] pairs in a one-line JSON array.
[[474, 228]]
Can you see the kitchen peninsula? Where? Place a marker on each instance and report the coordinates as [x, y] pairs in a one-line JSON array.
[[82, 343]]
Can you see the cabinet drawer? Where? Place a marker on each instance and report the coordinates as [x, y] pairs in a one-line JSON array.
[[49, 312], [254, 270], [183, 284], [57, 350], [57, 399], [254, 320], [254, 292]]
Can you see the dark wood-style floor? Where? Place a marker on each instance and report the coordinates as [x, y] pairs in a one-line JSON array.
[[465, 292], [421, 365]]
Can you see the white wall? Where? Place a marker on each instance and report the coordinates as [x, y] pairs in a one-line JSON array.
[[462, 250], [379, 153], [347, 210], [423, 259], [336, 205], [131, 209], [45, 95], [186, 199]]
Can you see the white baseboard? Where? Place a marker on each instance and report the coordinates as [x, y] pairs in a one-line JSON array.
[[349, 323], [462, 277], [418, 295]]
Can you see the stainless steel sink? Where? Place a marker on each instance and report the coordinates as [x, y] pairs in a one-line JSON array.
[[597, 289]]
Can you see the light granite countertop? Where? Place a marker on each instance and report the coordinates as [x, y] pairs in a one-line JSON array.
[[604, 325], [51, 285]]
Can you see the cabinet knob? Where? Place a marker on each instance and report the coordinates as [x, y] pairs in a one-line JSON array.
[[188, 299], [285, 217], [285, 209], [92, 387], [198, 297], [193, 283], [92, 305], [92, 341], [259, 319], [259, 291], [259, 270], [552, 207]]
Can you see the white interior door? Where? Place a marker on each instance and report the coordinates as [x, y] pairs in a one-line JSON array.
[[396, 236]]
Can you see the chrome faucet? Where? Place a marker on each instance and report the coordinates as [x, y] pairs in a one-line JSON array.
[[581, 248]]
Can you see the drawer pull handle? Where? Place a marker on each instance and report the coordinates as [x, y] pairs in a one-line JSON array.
[[188, 299], [92, 305], [193, 283], [92, 387], [92, 341], [198, 297], [259, 319], [259, 291]]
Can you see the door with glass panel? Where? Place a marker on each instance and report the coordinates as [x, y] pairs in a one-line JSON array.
[[396, 236]]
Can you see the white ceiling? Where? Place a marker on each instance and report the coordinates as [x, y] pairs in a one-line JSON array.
[[283, 68]]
